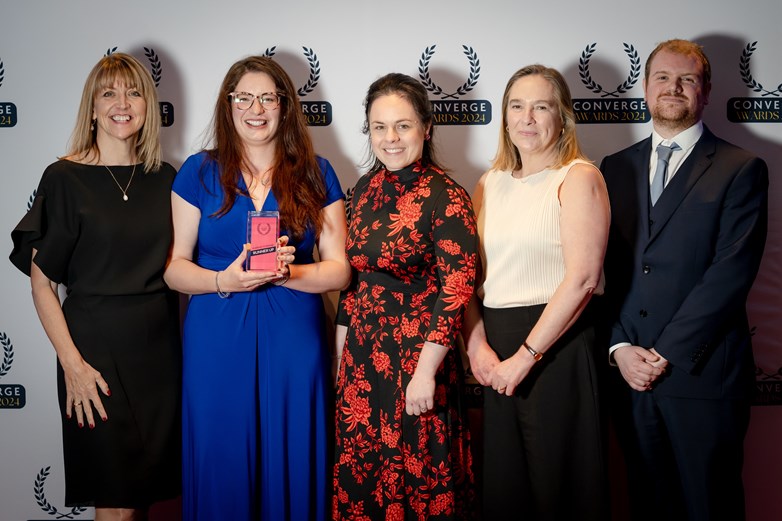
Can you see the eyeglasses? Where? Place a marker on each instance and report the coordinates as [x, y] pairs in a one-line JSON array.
[[245, 100]]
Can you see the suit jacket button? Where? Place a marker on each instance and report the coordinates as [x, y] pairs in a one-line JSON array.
[[646, 269], [643, 313]]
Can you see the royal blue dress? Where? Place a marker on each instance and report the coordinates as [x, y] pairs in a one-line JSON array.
[[256, 376]]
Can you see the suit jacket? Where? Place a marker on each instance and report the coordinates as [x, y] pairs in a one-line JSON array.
[[678, 274]]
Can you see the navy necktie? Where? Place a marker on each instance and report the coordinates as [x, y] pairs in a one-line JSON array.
[[661, 173]]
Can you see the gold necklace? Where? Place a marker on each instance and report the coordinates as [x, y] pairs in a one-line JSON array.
[[265, 180], [264, 193], [123, 190]]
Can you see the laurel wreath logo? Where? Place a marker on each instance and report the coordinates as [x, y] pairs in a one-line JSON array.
[[314, 63], [154, 61], [749, 81], [31, 200], [348, 204], [8, 354], [2, 73], [586, 77], [40, 479], [431, 86], [760, 374], [312, 81]]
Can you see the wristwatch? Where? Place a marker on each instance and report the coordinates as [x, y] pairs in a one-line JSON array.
[[536, 355]]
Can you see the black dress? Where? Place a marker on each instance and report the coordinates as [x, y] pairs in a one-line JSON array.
[[110, 254]]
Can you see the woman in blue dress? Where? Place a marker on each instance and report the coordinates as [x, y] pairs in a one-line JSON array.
[[256, 375]]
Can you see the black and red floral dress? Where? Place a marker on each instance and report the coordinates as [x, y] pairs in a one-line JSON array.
[[412, 245]]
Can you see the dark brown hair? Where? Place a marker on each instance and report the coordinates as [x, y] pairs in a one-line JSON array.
[[411, 90], [297, 181]]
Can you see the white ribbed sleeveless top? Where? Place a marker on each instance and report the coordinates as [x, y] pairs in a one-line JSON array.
[[518, 225]]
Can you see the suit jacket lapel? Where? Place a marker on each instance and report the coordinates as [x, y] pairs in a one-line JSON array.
[[641, 178], [696, 164]]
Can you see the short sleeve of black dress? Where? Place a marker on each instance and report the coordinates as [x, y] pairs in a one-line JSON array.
[[50, 226], [91, 240]]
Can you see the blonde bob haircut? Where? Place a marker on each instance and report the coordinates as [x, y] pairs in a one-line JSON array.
[[568, 149], [118, 68]]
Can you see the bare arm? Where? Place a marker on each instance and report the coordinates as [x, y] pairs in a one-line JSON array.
[[482, 357], [419, 395], [332, 272], [81, 379], [584, 224], [185, 276], [340, 335]]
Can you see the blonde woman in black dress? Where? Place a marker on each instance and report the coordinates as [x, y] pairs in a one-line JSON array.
[[100, 225]]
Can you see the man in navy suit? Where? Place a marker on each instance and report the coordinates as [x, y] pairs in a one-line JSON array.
[[682, 256]]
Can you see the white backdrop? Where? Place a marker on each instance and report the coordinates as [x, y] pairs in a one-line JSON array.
[[334, 51]]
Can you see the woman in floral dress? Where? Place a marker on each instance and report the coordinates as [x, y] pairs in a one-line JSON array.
[[402, 443]]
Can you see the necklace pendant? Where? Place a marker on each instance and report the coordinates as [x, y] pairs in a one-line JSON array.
[[123, 190]]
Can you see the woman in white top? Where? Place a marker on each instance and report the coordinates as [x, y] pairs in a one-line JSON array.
[[543, 218]]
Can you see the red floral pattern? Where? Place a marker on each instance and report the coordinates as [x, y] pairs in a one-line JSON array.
[[412, 245]]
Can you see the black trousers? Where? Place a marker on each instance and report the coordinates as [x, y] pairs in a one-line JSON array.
[[544, 449], [688, 453]]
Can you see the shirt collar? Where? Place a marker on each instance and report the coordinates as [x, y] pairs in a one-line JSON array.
[[686, 139]]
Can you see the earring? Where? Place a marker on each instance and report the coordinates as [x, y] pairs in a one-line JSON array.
[[92, 125], [426, 137]]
